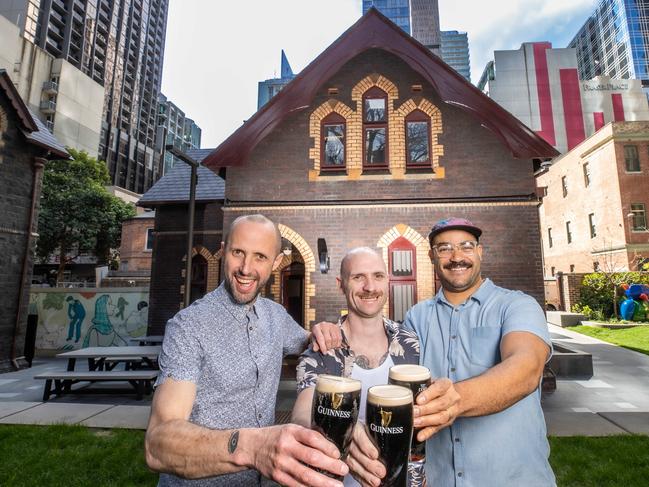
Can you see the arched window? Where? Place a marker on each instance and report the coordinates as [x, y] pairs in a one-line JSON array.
[[402, 262], [332, 142], [199, 277], [418, 139], [375, 129]]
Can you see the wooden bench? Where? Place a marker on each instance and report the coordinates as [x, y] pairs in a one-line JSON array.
[[140, 380]]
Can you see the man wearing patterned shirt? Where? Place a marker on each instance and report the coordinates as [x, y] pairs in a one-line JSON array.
[[220, 365], [371, 342]]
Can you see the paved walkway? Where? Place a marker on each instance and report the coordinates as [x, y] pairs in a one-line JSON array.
[[614, 401]]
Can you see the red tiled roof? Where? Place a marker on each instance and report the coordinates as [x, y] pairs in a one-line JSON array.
[[374, 30]]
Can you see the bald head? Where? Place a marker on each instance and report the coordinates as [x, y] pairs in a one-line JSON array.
[[349, 256], [260, 219]]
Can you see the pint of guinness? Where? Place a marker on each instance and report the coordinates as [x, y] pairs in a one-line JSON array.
[[416, 378], [389, 425], [336, 401]]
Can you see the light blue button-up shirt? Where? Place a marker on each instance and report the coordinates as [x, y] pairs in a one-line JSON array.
[[505, 449]]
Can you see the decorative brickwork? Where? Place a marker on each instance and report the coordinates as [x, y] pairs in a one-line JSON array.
[[309, 268], [425, 273], [276, 281], [396, 132], [213, 267]]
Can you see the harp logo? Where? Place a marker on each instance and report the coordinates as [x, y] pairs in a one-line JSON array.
[[336, 399], [386, 418]]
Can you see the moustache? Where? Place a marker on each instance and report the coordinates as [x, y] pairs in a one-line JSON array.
[[462, 263], [370, 295]]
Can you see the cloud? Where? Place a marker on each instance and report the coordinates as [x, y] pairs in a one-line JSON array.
[[506, 24]]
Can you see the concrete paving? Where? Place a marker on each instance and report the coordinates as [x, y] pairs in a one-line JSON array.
[[614, 401]]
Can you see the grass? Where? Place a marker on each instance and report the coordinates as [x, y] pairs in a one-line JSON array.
[[78, 456], [632, 338], [63, 455], [611, 461]]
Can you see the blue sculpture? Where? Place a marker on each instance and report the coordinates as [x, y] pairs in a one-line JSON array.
[[636, 305]]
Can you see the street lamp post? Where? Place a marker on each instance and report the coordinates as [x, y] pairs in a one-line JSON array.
[[190, 230]]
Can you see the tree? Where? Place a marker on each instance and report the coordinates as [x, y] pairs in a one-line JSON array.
[[77, 214]]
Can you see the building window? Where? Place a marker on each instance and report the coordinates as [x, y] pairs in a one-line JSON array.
[[149, 239], [639, 217], [572, 267], [553, 271], [568, 232], [375, 129], [402, 264], [418, 139], [550, 237], [596, 266], [591, 224], [586, 169], [631, 159], [564, 185], [333, 143]]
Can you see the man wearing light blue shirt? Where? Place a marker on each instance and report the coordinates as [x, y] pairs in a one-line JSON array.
[[492, 343]]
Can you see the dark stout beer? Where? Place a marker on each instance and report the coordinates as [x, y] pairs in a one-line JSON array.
[[335, 409], [416, 378], [389, 425]]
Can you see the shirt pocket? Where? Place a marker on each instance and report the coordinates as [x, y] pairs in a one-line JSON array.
[[485, 346]]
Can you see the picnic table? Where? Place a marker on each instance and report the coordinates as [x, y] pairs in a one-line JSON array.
[[101, 368], [148, 340]]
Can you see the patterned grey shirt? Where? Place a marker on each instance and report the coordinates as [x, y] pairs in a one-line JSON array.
[[233, 353]]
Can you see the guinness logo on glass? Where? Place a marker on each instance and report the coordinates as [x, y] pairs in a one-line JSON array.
[[386, 418], [336, 399]]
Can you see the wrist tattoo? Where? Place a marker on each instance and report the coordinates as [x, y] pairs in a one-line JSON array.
[[233, 441]]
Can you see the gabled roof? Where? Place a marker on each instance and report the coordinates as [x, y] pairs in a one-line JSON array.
[[31, 126], [374, 30], [173, 187]]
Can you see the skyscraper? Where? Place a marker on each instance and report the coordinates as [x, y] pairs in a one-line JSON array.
[[455, 52], [174, 128], [419, 18], [270, 87], [120, 45], [614, 41]]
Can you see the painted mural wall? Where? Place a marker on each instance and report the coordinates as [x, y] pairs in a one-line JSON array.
[[75, 318]]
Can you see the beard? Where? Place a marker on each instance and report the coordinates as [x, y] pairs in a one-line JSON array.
[[246, 297]]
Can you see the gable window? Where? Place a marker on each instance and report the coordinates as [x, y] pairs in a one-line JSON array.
[[375, 129], [639, 218], [568, 232], [418, 139], [564, 185], [149, 239], [333, 142], [402, 264], [586, 169], [631, 159]]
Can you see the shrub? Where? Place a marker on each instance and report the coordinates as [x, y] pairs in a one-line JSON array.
[[599, 289]]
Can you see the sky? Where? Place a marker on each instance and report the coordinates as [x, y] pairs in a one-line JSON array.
[[216, 51]]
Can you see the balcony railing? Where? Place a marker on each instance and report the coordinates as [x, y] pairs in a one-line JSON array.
[[50, 87], [48, 106]]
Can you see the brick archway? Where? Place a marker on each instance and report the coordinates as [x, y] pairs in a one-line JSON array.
[[316, 118], [399, 139], [309, 268], [213, 268], [425, 275]]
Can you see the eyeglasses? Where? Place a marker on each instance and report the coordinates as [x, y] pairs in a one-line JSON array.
[[446, 249]]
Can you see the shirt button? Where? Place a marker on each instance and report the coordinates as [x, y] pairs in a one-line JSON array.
[[250, 328], [453, 337], [254, 356], [459, 474], [457, 440], [452, 369], [259, 415]]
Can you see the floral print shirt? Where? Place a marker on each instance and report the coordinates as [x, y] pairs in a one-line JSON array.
[[403, 347]]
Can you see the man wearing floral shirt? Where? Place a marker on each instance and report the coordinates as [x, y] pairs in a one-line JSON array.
[[371, 343]]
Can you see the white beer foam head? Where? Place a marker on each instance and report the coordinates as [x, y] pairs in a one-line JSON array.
[[333, 383], [409, 372], [389, 395]]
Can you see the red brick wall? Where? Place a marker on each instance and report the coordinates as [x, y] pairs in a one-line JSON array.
[[133, 250]]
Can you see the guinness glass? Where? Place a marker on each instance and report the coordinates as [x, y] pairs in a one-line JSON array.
[[335, 409], [416, 378], [389, 424]]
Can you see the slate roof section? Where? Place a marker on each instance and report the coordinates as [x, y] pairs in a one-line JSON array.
[[173, 187], [375, 31], [32, 128]]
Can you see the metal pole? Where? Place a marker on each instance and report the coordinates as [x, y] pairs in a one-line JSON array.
[[190, 227]]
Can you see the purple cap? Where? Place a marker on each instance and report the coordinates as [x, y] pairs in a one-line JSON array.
[[454, 223]]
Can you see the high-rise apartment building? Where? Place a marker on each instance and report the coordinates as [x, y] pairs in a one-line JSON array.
[[455, 51], [120, 45], [614, 41], [419, 18], [174, 128], [270, 87]]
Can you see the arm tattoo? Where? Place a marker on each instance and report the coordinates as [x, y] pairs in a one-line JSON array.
[[233, 441]]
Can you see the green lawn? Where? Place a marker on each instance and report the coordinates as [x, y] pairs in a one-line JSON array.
[[633, 338], [77, 456]]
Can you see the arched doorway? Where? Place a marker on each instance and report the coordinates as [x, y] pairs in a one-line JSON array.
[[199, 278], [292, 290]]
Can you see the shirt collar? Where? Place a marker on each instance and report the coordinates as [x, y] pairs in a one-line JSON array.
[[480, 295], [238, 311]]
